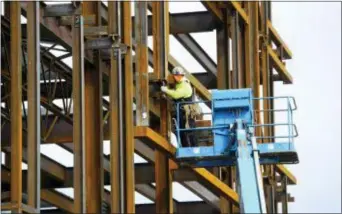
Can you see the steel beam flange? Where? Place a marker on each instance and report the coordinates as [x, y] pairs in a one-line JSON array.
[[112, 42]]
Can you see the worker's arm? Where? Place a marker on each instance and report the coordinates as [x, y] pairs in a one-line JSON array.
[[184, 90]]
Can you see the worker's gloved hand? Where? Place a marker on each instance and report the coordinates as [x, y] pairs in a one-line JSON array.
[[163, 88]]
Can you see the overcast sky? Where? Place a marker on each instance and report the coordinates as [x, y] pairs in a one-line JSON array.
[[312, 31]]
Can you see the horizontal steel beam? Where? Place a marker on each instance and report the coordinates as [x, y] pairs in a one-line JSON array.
[[49, 196], [206, 178], [180, 23], [59, 10], [182, 207]]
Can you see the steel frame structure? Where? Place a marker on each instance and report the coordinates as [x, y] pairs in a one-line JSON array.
[[101, 41]]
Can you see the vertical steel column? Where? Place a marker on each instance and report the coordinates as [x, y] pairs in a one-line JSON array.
[[93, 122], [16, 94], [223, 53], [121, 102], [0, 108], [78, 117], [128, 110], [265, 66], [160, 38], [116, 189], [266, 93], [241, 54], [160, 22], [33, 94], [254, 22], [284, 197], [248, 49], [223, 82], [235, 48], [141, 64]]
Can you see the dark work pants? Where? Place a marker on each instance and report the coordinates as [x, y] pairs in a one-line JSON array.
[[187, 138]]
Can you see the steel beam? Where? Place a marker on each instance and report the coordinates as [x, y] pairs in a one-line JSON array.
[[160, 22], [206, 178], [235, 49], [248, 49], [59, 10], [223, 82], [128, 110], [182, 207], [141, 65], [33, 93], [255, 69], [180, 23], [279, 66], [79, 114], [115, 67], [93, 122], [276, 61], [200, 55], [16, 119], [121, 98], [223, 53], [265, 68], [275, 37]]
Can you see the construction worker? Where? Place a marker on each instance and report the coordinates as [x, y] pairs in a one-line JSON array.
[[182, 92]]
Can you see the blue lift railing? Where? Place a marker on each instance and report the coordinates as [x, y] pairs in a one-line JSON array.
[[292, 128], [278, 147], [235, 143]]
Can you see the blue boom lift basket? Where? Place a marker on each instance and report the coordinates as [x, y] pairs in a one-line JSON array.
[[228, 106]]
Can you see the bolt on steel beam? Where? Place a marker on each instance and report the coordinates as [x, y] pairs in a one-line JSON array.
[[79, 114], [141, 65], [16, 94], [33, 93]]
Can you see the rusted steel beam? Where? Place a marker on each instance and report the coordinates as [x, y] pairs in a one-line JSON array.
[[33, 93], [16, 93], [180, 23], [160, 22], [93, 120], [57, 199], [255, 68], [113, 118], [265, 68], [206, 178], [216, 11], [79, 114], [141, 65], [235, 49], [223, 53], [128, 111], [248, 49]]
